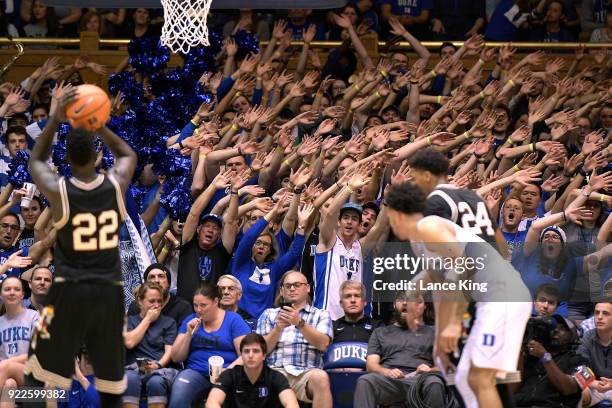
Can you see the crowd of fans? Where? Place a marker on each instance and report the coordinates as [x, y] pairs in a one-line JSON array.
[[288, 168], [498, 20]]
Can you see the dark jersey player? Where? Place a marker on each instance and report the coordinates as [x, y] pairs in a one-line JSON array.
[[85, 303], [461, 206]]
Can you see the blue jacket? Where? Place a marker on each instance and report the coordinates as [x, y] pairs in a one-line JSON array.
[[259, 282]]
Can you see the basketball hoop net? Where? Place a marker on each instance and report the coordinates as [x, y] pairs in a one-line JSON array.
[[185, 24]]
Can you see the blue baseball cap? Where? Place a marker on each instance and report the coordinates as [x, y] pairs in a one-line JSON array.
[[351, 206], [212, 217]]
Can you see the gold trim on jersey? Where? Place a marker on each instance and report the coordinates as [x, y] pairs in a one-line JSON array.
[[92, 185], [111, 387], [59, 224], [52, 379], [120, 199]]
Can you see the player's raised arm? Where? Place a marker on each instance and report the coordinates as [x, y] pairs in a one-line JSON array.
[[125, 157], [46, 180]]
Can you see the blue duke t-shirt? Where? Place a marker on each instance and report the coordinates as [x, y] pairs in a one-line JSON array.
[[409, 7], [217, 343]]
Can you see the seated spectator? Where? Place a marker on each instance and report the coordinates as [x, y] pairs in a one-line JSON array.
[[413, 15], [546, 300], [210, 331], [257, 264], [603, 34], [141, 24], [241, 386], [397, 356], [92, 22], [40, 280], [298, 22], [594, 347], [593, 15], [297, 335], [172, 306], [248, 20], [547, 372], [43, 22], [17, 325], [354, 325], [149, 340], [553, 28], [230, 290], [457, 19]]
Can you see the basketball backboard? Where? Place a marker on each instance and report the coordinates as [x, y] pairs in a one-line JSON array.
[[216, 4]]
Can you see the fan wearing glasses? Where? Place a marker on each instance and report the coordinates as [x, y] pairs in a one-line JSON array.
[[257, 264], [297, 334], [13, 259]]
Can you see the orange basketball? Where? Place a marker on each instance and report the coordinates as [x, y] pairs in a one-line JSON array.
[[91, 110]]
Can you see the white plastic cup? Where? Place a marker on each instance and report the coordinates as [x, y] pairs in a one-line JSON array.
[[215, 365], [26, 200]]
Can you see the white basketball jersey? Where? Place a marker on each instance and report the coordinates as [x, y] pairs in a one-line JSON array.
[[333, 267]]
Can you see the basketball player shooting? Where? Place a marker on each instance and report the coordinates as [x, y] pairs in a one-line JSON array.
[[85, 303], [494, 343]]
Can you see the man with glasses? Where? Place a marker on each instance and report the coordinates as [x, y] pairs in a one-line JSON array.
[[230, 290], [9, 230], [297, 334], [12, 259]]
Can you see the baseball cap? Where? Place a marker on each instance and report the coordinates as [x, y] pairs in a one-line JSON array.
[[212, 217], [373, 206], [569, 325], [351, 206]]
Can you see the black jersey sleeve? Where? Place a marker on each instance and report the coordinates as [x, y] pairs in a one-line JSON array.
[[436, 205]]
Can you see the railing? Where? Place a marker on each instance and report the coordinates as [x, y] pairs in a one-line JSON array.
[[316, 44]]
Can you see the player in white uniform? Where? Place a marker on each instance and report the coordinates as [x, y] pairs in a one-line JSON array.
[[339, 253], [494, 343]]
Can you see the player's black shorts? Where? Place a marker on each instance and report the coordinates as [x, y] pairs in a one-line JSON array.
[[82, 313]]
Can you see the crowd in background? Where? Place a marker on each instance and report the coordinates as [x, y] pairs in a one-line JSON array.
[[286, 169], [497, 20]]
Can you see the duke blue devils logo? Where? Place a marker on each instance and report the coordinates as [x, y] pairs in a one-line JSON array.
[[263, 392], [488, 340]]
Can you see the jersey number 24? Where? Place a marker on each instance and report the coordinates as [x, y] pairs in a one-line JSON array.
[[91, 233], [475, 223]]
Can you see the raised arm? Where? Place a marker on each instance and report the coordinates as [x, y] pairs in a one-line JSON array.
[[193, 218], [42, 175]]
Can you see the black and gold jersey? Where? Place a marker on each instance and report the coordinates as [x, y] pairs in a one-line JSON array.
[[88, 232]]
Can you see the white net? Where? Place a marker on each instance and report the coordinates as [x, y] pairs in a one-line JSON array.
[[185, 24]]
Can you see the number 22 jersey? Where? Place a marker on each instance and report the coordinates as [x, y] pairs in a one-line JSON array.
[[88, 232]]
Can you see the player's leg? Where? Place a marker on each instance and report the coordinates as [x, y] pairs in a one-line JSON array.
[[104, 341], [57, 338], [482, 383]]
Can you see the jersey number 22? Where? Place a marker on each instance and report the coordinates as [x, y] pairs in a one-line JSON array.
[[91, 233]]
